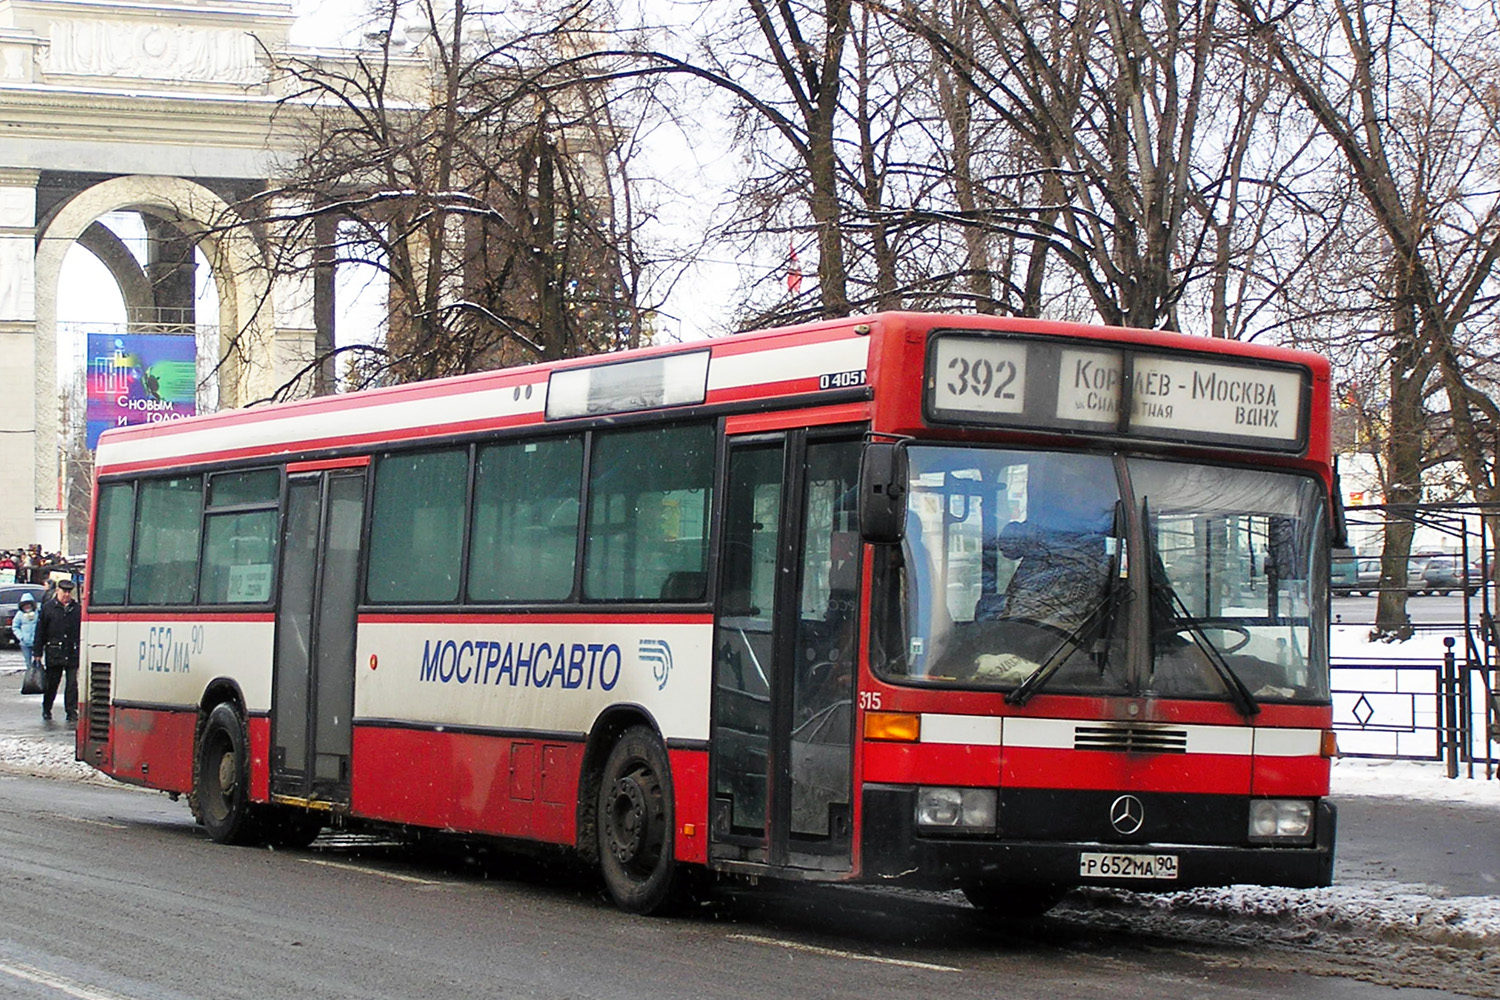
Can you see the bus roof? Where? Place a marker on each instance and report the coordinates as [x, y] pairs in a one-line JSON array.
[[822, 362]]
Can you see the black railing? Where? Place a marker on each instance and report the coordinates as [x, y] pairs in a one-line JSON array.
[[1444, 711], [1441, 704]]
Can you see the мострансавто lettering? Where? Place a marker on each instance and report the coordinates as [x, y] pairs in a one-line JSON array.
[[522, 664]]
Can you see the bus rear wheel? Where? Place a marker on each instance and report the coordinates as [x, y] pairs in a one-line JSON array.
[[635, 824], [288, 826], [221, 779]]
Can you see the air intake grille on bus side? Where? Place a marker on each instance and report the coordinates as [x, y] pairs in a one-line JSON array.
[[98, 711], [1130, 739]]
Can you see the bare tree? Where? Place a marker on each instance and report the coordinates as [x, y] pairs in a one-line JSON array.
[[464, 157], [1127, 128], [1406, 98]]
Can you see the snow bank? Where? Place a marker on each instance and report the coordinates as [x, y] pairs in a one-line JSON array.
[[1263, 915], [38, 758]]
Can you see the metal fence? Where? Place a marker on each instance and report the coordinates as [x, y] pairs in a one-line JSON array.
[[1435, 696], [1418, 710]]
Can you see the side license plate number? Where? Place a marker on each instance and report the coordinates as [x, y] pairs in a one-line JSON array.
[[1156, 866]]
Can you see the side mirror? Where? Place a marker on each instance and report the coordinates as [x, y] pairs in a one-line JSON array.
[[882, 493], [1338, 524]]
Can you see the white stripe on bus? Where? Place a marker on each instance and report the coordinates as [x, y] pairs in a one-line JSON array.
[[784, 363], [1061, 734], [974, 730], [1288, 742], [398, 415]]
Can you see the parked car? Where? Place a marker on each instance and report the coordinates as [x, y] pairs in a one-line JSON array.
[[10, 599], [1362, 576], [1445, 574], [1343, 575]]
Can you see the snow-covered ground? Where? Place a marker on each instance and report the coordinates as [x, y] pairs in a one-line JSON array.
[[1353, 642], [21, 755], [1409, 779]]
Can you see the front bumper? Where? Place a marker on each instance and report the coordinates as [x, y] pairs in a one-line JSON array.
[[893, 852]]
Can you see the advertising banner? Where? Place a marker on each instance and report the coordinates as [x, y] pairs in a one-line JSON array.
[[139, 379]]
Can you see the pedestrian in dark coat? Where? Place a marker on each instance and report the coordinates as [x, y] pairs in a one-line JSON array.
[[57, 635]]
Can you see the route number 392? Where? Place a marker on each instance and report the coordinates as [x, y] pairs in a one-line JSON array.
[[981, 377]]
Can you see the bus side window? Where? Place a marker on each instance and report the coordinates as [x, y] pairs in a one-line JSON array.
[[650, 492], [523, 544], [111, 557], [416, 529], [169, 520]]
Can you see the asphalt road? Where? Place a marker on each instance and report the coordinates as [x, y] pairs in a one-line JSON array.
[[110, 893], [1422, 609]]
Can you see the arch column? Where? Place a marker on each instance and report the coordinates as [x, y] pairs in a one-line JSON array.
[[295, 291], [130, 277], [29, 509]]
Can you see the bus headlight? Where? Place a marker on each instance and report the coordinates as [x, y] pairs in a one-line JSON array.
[[960, 810], [1280, 820]]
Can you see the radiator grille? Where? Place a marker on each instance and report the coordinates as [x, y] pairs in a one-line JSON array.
[[98, 711], [1130, 739]]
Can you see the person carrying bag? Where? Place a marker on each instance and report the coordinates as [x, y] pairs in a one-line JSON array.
[[57, 633], [23, 627]]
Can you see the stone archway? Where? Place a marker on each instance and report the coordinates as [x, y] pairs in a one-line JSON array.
[[247, 316], [168, 108], [129, 276]]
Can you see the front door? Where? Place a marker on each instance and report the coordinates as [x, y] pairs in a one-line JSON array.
[[785, 645], [314, 683]]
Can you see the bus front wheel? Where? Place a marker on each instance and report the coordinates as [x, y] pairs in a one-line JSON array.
[[221, 779], [1013, 901], [635, 825]]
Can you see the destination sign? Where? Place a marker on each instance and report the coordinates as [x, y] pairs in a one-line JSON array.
[[1043, 384], [988, 376]]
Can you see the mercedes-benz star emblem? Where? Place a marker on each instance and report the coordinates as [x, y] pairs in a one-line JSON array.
[[1126, 814]]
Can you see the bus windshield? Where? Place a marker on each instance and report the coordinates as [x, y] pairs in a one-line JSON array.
[[1024, 569]]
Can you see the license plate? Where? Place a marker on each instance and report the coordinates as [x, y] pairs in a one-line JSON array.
[[1162, 866]]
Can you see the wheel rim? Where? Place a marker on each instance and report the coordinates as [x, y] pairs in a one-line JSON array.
[[223, 779], [227, 777], [634, 820]]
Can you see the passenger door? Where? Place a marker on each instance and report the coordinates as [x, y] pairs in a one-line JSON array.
[[313, 697], [785, 642]]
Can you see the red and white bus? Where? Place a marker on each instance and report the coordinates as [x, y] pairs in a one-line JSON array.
[[942, 601]]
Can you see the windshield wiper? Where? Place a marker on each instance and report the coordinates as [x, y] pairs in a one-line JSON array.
[[1167, 604], [1075, 640], [1092, 625]]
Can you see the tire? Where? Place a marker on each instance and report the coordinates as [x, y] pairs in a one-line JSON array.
[[1012, 900], [635, 824], [288, 826], [221, 779]]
